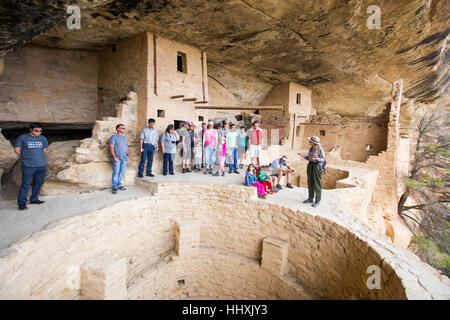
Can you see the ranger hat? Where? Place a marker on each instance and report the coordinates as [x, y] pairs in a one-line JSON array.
[[314, 139]]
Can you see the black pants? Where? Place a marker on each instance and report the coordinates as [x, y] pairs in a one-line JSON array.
[[314, 172]]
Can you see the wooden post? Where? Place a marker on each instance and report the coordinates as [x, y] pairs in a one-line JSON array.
[[293, 133], [155, 72]]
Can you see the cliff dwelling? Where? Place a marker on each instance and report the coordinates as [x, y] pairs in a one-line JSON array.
[[321, 74]]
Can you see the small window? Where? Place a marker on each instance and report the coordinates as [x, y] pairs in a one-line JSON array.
[[322, 133], [180, 282], [181, 62], [299, 98], [369, 147], [200, 118], [297, 131], [161, 113]]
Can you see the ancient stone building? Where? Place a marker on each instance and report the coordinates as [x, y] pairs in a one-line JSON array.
[[196, 236]]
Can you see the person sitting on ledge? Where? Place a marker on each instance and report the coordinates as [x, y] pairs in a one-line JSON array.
[[280, 169], [169, 148], [251, 180], [316, 162], [264, 178]]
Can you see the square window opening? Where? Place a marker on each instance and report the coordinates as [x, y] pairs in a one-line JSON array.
[[299, 98], [180, 282], [181, 62], [161, 113], [201, 118], [322, 133]]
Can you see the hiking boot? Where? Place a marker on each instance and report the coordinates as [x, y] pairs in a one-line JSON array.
[[215, 174], [114, 191], [289, 186], [23, 207], [308, 201], [279, 187], [315, 204], [37, 202], [122, 188]]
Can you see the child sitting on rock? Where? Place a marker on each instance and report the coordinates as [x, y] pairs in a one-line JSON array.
[[251, 180], [264, 178]]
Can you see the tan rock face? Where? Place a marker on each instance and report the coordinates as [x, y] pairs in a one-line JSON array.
[[95, 174], [327, 47], [7, 155]]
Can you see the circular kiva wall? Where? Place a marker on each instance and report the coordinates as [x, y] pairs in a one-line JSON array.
[[189, 241]]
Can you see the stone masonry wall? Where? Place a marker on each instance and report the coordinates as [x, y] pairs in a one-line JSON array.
[[232, 246]]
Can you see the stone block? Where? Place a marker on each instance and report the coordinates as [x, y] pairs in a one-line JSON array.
[[104, 278], [274, 255]]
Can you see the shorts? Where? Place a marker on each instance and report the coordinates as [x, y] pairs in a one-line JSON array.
[[242, 150], [188, 154], [255, 150]]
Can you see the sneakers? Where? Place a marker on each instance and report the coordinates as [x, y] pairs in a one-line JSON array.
[[270, 192], [114, 191], [223, 174], [188, 170], [289, 186], [261, 196], [230, 171], [140, 175], [315, 204], [184, 170], [122, 188], [216, 174], [37, 202], [150, 175], [236, 172], [23, 207], [207, 171], [172, 174], [279, 187], [308, 201]]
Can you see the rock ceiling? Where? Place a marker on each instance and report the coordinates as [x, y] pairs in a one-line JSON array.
[[325, 45]]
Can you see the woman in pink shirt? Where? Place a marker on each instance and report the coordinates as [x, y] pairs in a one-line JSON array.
[[209, 146]]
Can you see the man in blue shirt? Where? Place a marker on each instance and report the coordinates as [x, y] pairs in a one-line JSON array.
[[279, 169], [31, 147], [118, 146], [149, 144]]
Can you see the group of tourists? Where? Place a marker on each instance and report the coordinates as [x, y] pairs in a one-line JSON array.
[[210, 146]]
